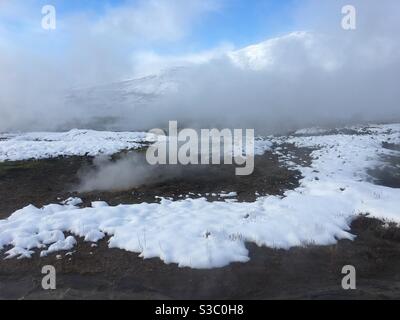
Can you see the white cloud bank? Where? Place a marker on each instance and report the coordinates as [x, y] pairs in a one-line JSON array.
[[325, 76]]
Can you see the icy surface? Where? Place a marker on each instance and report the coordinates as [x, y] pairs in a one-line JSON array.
[[200, 234], [39, 145]]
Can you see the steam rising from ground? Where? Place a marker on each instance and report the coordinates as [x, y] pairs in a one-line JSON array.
[[132, 171], [129, 172]]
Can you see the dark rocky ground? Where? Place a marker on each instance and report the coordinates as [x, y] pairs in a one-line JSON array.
[[101, 273]]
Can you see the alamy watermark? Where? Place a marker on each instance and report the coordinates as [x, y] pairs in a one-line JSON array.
[[349, 280], [349, 20], [49, 280], [203, 147], [49, 17]]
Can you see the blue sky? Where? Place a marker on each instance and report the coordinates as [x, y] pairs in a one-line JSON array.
[[239, 22], [245, 22]]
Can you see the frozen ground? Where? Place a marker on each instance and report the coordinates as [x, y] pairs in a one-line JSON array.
[[42, 145], [199, 234]]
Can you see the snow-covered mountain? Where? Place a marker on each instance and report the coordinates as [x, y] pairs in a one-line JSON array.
[[265, 54], [119, 105], [288, 52], [141, 90], [135, 90], [104, 104]]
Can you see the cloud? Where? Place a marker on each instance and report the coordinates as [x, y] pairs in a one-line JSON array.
[[39, 68], [151, 62], [325, 76], [322, 75], [155, 20]]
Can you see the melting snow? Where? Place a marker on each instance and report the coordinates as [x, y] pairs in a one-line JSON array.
[[40, 145], [199, 234]]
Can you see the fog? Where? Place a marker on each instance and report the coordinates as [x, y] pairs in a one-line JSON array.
[[321, 76]]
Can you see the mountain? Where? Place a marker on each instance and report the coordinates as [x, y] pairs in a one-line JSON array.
[[106, 104], [141, 90], [266, 54]]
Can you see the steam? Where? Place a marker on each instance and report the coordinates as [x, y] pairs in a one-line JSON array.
[[129, 172], [133, 171]]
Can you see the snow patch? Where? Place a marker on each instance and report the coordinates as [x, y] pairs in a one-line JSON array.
[[41, 145]]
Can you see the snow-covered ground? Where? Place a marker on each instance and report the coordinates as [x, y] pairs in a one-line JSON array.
[[200, 234], [41, 145], [44, 145]]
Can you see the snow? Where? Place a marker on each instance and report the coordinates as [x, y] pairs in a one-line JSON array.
[[228, 195], [44, 145], [72, 201], [40, 145], [311, 131], [261, 146], [200, 234], [60, 245], [264, 55]]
